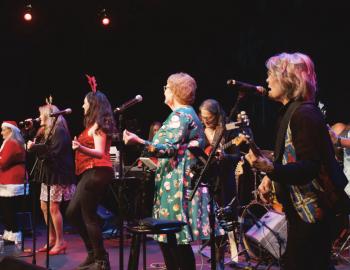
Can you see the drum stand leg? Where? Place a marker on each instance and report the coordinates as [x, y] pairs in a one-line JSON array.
[[344, 246]]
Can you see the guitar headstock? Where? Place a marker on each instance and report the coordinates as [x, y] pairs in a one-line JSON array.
[[322, 108], [244, 121]]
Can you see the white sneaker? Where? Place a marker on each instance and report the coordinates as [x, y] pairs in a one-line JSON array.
[[7, 235], [16, 237]]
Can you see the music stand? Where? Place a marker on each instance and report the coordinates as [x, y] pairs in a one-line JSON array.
[[148, 163]]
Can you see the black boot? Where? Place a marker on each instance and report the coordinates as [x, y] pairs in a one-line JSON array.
[[100, 264], [87, 262]]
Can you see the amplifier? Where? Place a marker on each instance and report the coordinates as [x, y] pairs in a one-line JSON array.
[[270, 232]]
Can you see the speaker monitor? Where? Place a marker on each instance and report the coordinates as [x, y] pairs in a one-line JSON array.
[[11, 263]]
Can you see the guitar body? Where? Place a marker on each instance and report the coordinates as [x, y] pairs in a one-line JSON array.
[[208, 150]]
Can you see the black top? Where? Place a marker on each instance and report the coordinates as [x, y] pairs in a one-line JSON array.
[[313, 148], [55, 159]]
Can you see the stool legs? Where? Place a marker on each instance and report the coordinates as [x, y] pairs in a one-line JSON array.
[[144, 251], [134, 252]]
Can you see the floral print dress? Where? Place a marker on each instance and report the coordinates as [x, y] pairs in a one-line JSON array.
[[173, 176]]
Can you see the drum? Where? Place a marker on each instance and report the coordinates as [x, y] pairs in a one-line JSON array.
[[264, 231]]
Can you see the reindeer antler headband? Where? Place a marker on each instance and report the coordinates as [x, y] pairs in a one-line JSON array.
[[92, 82], [49, 100]]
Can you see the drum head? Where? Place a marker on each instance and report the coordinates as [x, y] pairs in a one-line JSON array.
[[252, 213]]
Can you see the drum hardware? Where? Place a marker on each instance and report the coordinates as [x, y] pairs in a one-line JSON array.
[[342, 243], [264, 233], [227, 220], [344, 247]]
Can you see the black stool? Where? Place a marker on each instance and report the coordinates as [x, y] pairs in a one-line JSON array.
[[150, 226]]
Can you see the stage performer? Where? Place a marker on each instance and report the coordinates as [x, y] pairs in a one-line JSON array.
[[95, 173], [12, 178], [214, 119], [304, 171], [55, 167], [180, 130]]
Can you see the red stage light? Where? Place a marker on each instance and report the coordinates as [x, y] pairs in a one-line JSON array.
[[105, 21], [28, 13], [28, 17]]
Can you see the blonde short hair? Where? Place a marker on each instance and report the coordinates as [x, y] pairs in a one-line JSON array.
[[183, 86], [296, 74]]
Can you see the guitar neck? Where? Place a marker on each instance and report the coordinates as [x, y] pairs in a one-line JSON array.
[[255, 149]]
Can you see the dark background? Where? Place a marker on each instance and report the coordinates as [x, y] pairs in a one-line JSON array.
[[150, 39]]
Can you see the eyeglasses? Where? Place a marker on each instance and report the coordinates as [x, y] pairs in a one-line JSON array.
[[208, 117], [165, 87]]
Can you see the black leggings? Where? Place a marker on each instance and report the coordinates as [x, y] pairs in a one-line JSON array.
[[81, 211], [179, 257], [9, 206]]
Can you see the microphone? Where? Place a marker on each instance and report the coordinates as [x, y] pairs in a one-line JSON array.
[[27, 121], [248, 88], [63, 112], [128, 104]]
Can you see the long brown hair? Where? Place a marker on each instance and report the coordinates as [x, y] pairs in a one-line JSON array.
[[100, 112]]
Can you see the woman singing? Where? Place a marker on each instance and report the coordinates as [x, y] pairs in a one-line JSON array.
[[180, 130], [55, 167], [94, 170]]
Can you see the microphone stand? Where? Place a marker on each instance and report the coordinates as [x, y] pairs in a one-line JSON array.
[[45, 143], [48, 216], [120, 147], [211, 186]]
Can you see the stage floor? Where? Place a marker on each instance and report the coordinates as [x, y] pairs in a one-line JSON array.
[[76, 254]]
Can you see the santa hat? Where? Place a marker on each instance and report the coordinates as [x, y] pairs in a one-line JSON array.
[[10, 124]]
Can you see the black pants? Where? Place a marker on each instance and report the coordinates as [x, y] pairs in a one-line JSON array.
[[9, 206], [178, 257], [81, 211], [309, 244]]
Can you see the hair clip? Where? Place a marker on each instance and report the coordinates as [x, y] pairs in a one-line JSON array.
[[92, 82]]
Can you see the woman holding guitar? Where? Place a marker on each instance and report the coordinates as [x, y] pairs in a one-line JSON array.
[[304, 171], [214, 120]]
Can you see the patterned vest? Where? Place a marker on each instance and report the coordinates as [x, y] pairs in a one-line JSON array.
[[304, 198]]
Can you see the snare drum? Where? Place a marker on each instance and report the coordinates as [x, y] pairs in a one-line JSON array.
[[264, 231]]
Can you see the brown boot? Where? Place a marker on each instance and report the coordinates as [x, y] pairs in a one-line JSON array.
[[100, 264], [89, 261]]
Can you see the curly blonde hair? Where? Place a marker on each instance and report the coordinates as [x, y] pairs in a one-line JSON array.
[[183, 86], [296, 74]]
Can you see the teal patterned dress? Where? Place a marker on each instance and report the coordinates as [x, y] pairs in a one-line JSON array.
[[173, 176]]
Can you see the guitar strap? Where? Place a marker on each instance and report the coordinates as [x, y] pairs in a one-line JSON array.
[[218, 132], [281, 134], [279, 188]]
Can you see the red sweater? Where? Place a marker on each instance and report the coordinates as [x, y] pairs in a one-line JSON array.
[[12, 163]]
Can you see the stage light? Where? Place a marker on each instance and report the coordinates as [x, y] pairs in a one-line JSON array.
[[105, 21], [104, 18], [28, 13]]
